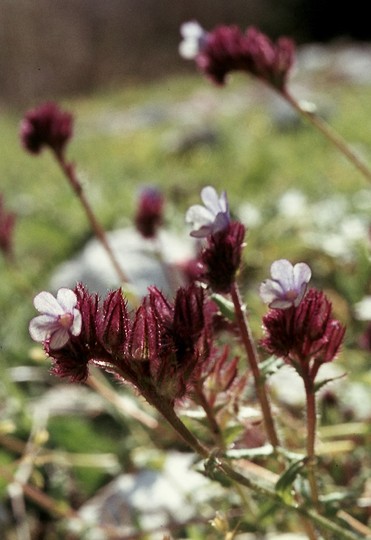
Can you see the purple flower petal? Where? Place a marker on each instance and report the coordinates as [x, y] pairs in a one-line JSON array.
[[59, 338], [77, 323], [40, 327], [67, 299], [212, 217], [287, 286], [45, 302]]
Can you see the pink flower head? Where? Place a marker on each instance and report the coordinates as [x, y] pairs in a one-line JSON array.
[[149, 215], [46, 125], [59, 318], [305, 336], [287, 286], [211, 218], [222, 256], [226, 49]]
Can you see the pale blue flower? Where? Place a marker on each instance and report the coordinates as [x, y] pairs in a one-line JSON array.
[[59, 318], [211, 218], [287, 286]]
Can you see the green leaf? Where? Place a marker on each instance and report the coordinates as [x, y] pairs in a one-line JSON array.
[[287, 478], [321, 384], [226, 306], [270, 365]]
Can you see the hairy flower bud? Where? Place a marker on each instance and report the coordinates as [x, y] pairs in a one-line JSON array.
[[46, 125], [226, 49], [305, 336], [149, 214], [222, 257], [114, 326]]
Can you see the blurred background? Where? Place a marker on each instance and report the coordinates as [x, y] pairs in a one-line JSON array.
[[55, 48]]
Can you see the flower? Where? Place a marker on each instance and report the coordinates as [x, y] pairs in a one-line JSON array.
[[226, 49], [287, 286], [59, 318], [194, 37], [306, 335], [221, 257], [46, 125], [212, 217], [149, 214]]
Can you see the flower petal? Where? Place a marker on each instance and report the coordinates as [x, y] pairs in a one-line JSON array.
[[67, 299], [59, 338], [302, 274], [42, 326], [45, 302], [210, 199], [269, 291], [282, 271], [198, 215], [77, 323], [221, 222]]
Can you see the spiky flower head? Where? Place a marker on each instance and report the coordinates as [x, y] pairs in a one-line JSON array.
[[222, 256], [46, 126], [150, 212], [305, 336], [226, 49]]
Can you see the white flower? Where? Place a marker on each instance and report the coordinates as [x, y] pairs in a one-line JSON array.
[[59, 318], [287, 286], [194, 37], [212, 217]]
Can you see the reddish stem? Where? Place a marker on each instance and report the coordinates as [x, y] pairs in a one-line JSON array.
[[69, 171], [253, 360]]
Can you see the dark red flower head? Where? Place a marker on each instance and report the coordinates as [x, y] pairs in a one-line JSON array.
[[47, 125], [226, 49], [149, 214], [72, 359], [306, 336], [222, 257]]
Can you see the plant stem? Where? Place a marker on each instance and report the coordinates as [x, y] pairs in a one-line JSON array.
[[330, 134], [311, 439], [253, 361], [70, 173], [258, 487]]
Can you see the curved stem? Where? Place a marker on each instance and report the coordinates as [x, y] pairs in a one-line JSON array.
[[69, 172], [253, 361], [330, 134]]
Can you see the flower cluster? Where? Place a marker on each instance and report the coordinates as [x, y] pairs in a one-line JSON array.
[[299, 327], [149, 214], [46, 126], [226, 49], [220, 259], [160, 350], [7, 222]]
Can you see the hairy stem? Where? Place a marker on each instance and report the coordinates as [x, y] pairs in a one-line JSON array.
[[253, 361], [70, 173], [311, 440]]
